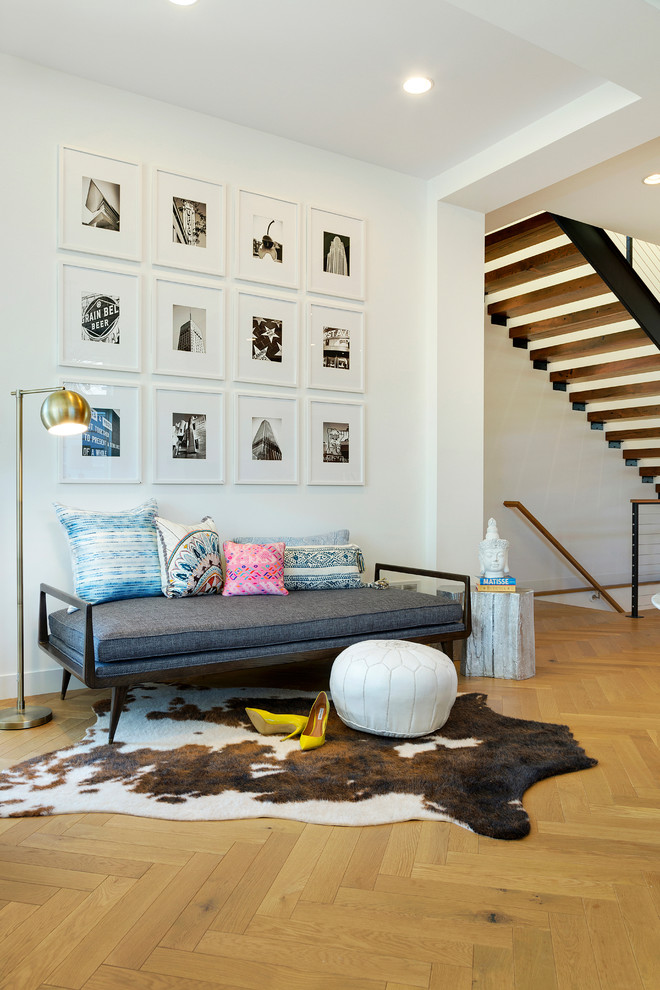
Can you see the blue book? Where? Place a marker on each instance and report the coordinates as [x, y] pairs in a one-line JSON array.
[[493, 581]]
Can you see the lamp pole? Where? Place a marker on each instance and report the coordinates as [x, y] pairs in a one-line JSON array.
[[22, 716]]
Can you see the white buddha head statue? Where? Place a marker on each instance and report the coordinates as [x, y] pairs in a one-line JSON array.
[[493, 553]]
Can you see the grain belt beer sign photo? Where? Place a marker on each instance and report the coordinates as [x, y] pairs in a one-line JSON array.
[[100, 318]]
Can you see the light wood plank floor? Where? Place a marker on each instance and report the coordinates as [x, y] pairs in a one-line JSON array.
[[102, 902]]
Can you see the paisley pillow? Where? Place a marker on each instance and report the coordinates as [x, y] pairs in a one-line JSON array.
[[254, 569], [189, 558]]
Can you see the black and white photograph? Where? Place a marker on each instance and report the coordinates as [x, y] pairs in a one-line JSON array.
[[335, 254], [335, 351], [336, 442], [103, 437], [99, 318], [267, 339], [265, 445], [109, 451], [100, 204], [266, 440], [267, 239], [188, 222], [189, 436], [188, 328]]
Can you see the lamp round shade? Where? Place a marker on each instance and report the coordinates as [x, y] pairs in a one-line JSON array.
[[65, 412]]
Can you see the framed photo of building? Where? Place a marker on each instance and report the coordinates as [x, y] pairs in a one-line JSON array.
[[188, 436], [266, 443], [99, 318], [100, 204], [336, 443], [189, 223], [267, 239], [188, 328], [109, 451], [335, 254], [266, 348], [335, 348]]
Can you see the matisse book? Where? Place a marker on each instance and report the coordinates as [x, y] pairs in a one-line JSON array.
[[494, 581]]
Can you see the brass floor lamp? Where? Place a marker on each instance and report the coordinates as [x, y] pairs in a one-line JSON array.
[[63, 413]]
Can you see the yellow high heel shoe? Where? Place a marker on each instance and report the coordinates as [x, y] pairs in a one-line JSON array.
[[313, 735], [268, 724]]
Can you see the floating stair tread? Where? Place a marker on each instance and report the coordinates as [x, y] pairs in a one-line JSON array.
[[612, 369], [652, 471], [524, 234], [584, 319], [636, 453], [630, 412], [553, 262], [616, 392], [553, 295], [640, 433], [603, 344]]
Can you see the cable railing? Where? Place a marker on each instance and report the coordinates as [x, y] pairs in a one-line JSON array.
[[593, 583], [644, 257], [645, 548]]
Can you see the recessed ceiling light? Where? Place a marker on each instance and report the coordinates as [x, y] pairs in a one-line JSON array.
[[183, 3], [417, 85], [652, 180]]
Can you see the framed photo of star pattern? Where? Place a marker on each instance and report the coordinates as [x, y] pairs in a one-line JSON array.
[[267, 339]]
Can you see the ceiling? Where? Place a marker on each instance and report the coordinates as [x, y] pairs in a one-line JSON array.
[[527, 94]]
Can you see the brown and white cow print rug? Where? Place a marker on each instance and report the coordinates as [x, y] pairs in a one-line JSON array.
[[190, 753]]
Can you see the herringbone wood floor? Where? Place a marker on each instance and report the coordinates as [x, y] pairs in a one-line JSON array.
[[101, 902]]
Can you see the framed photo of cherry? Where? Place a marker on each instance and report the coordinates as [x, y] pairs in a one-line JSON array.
[[267, 239]]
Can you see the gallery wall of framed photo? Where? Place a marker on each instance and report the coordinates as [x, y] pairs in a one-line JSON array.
[[219, 333]]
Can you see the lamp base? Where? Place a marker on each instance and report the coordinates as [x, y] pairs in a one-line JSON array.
[[12, 718]]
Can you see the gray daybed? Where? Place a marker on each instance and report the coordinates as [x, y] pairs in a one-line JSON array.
[[120, 643]]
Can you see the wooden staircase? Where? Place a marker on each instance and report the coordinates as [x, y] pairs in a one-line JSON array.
[[554, 303]]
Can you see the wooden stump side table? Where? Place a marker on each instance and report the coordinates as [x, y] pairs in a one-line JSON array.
[[502, 640]]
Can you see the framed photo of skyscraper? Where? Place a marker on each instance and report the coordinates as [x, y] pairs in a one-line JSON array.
[[266, 443], [189, 222], [335, 254], [188, 328], [267, 239], [188, 436], [266, 346], [99, 318], [109, 451], [335, 348], [335, 433], [100, 204]]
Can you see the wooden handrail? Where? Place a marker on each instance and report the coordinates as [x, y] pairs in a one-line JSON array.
[[564, 552]]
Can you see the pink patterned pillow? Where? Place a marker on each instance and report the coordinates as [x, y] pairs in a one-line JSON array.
[[254, 569]]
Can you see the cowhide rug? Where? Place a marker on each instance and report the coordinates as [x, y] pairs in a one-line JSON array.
[[190, 752]]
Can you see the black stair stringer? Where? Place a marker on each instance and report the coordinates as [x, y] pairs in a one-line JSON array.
[[617, 273]]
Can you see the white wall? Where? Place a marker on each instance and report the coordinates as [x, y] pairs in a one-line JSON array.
[[541, 452], [389, 517]]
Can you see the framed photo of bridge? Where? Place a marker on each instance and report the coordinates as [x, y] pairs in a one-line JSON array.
[[100, 204], [109, 452], [99, 318]]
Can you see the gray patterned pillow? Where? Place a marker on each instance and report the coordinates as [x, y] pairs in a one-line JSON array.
[[333, 538]]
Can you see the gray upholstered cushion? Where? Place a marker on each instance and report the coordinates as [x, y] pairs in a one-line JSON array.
[[333, 538], [160, 627]]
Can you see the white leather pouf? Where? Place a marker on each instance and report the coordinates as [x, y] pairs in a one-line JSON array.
[[391, 687]]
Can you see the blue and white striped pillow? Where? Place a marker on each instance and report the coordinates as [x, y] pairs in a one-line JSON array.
[[315, 568], [114, 555]]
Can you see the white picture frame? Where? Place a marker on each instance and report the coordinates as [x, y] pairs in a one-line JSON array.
[[267, 346], [335, 254], [100, 204], [189, 230], [188, 436], [335, 347], [267, 239], [188, 328], [266, 425], [339, 427], [115, 433], [99, 323]]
